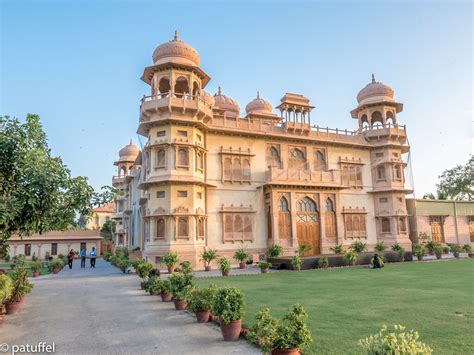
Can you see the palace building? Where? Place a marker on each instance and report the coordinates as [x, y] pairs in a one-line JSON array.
[[210, 176]]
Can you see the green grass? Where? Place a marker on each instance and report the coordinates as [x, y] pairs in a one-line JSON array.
[[346, 304], [6, 266]]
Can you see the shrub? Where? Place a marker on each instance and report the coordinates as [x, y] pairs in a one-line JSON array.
[[337, 249], [431, 245], [290, 332], [122, 252], [19, 260], [438, 249], [274, 251], [228, 304], [21, 285], [200, 298], [34, 258], [323, 262], [423, 238], [185, 267], [264, 265], [123, 264], [358, 246], [241, 255], [144, 269], [380, 247], [208, 255], [397, 248], [455, 248], [418, 250], [136, 263], [350, 257], [106, 255], [6, 289], [55, 264], [36, 266], [62, 257], [303, 248], [224, 264], [47, 256], [7, 258], [467, 248], [397, 342], [180, 284], [170, 259], [296, 261], [153, 285], [164, 286]]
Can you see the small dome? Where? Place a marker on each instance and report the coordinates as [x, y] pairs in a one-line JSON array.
[[176, 51], [129, 152], [375, 92], [208, 98], [258, 105], [225, 103]]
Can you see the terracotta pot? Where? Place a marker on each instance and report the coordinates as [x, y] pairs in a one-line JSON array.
[[420, 258], [439, 256], [180, 304], [36, 273], [208, 268], [264, 271], [285, 352], [170, 269], [12, 307], [241, 265], [166, 296], [56, 270], [142, 285], [297, 268], [456, 255], [325, 266], [225, 273], [231, 331], [203, 316]]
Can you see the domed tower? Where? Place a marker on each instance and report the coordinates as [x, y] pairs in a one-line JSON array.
[[127, 156], [377, 116], [261, 108], [224, 105], [174, 158]]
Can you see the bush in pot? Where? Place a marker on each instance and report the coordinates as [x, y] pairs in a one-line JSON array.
[[153, 285], [224, 266], [358, 246], [55, 265], [350, 257], [123, 264], [467, 248], [438, 250], [446, 249], [288, 335], [199, 301], [274, 251], [455, 249], [21, 287], [6, 289], [106, 255], [165, 290], [185, 267], [207, 256], [397, 248], [36, 267], [303, 248], [430, 245], [241, 256], [337, 249], [323, 262], [143, 271], [296, 262], [264, 266], [180, 284], [419, 251], [228, 305], [380, 247], [170, 259]]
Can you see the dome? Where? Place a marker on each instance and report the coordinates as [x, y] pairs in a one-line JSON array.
[[225, 103], [208, 98], [375, 92], [258, 105], [176, 51], [129, 152]]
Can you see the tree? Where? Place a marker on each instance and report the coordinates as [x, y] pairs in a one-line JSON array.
[[439, 196], [37, 191], [108, 229], [457, 183]]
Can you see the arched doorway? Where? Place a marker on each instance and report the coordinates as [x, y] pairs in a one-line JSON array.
[[307, 225]]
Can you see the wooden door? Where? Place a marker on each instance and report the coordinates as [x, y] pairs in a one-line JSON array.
[[471, 230], [437, 232], [307, 226]]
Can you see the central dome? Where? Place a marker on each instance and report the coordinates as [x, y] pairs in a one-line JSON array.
[[375, 92], [129, 152], [225, 103], [176, 51], [258, 105]]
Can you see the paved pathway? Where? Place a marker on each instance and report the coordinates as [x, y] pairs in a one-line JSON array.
[[103, 311]]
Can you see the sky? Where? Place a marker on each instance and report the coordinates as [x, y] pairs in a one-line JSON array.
[[78, 65]]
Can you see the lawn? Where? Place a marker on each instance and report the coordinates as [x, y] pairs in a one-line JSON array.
[[346, 304], [6, 266]]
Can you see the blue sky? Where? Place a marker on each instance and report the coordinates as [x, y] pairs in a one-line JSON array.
[[78, 65]]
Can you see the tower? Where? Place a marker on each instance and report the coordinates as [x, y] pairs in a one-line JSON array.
[[174, 157], [377, 116]]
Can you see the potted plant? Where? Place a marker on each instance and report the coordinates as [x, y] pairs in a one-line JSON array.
[[283, 336], [467, 248], [228, 305], [455, 249], [350, 257], [153, 285], [438, 250], [199, 301], [323, 262], [143, 271], [165, 290], [446, 249], [274, 251], [55, 265], [21, 287], [397, 248], [296, 262], [358, 246], [36, 268], [6, 289], [303, 248], [337, 249], [123, 264], [106, 255], [185, 267], [207, 256], [380, 247], [430, 246], [224, 266], [419, 251], [170, 259], [241, 256], [180, 284], [264, 266]]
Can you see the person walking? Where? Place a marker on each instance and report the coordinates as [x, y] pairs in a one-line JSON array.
[[93, 255], [83, 258], [70, 258]]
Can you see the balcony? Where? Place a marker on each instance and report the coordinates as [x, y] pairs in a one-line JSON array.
[[276, 176], [116, 215], [118, 180]]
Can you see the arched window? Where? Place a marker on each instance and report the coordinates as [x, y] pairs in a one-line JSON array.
[[200, 227], [390, 119], [385, 225], [161, 158], [352, 176], [402, 225], [236, 170], [398, 172], [183, 157], [306, 205], [376, 118], [345, 175], [227, 169], [297, 154], [273, 157], [359, 176], [330, 219], [364, 121], [229, 224], [320, 163], [381, 173], [181, 87], [238, 224], [246, 170], [183, 227], [297, 159], [284, 204], [195, 89], [164, 86], [160, 229], [200, 161]]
